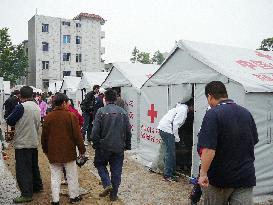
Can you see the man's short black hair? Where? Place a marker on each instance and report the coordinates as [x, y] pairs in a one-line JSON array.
[[26, 92], [96, 87], [217, 89], [110, 95], [189, 102], [59, 99], [16, 92]]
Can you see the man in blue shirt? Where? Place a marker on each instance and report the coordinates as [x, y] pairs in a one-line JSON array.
[[226, 144]]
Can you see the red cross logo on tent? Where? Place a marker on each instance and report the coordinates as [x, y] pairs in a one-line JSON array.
[[152, 113]]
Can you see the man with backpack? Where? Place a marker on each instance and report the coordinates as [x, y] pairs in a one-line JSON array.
[[87, 107]]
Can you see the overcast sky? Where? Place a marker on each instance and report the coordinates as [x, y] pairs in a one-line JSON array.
[[153, 24]]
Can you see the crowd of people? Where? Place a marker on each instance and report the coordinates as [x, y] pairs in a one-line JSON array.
[[226, 142]]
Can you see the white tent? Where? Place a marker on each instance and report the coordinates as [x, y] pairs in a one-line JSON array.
[[89, 79], [70, 87], [130, 77], [248, 77], [55, 86], [2, 97], [7, 87]]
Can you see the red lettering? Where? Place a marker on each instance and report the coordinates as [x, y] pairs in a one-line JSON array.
[[260, 54], [263, 77], [131, 115], [262, 64], [246, 64]]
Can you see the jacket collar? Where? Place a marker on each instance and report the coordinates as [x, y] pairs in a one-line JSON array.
[[60, 108]]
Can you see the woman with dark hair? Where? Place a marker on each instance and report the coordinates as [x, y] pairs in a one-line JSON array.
[[71, 108]]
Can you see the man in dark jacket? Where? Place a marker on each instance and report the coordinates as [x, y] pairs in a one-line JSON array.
[[11, 102], [87, 107], [111, 136]]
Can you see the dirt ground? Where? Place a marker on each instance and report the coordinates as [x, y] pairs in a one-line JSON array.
[[86, 179]]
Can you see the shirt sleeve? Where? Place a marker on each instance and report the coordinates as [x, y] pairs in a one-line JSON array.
[[207, 137], [179, 120], [16, 115], [254, 131]]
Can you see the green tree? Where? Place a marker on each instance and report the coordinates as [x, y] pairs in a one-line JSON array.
[[135, 53], [13, 61], [266, 45], [158, 58], [144, 58]]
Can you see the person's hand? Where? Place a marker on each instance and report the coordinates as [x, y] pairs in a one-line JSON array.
[[203, 180]]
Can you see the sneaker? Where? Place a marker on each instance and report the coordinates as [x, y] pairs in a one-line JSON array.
[[55, 203], [113, 197], [170, 179], [106, 191], [86, 143], [22, 199], [75, 200]]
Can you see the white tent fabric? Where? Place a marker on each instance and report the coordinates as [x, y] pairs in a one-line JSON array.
[[129, 74], [70, 83], [248, 78], [55, 86], [252, 68], [89, 79], [130, 77], [7, 87]]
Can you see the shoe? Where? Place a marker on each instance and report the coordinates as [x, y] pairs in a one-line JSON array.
[[38, 190], [22, 199], [106, 191], [113, 197], [75, 200], [55, 203], [169, 179]]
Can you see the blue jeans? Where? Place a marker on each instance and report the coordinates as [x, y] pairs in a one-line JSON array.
[[168, 145], [115, 160], [87, 125]]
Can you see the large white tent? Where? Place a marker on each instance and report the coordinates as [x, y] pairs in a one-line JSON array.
[[130, 77], [248, 77], [55, 86], [70, 87], [89, 79]]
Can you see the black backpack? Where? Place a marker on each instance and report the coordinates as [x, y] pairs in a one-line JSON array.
[[87, 105]]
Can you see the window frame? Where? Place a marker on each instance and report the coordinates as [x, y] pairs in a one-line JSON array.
[[66, 56], [78, 40], [66, 39], [45, 46], [45, 65], [78, 57], [45, 25]]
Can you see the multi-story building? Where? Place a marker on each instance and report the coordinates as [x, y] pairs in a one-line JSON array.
[[60, 47]]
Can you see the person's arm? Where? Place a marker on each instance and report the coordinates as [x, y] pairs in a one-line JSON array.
[[44, 137], [96, 131], [207, 142], [206, 159], [128, 134], [16, 115], [254, 132], [179, 120]]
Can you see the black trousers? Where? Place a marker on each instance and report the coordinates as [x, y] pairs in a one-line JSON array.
[[27, 171]]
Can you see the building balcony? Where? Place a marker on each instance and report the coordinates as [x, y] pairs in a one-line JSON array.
[[102, 34]]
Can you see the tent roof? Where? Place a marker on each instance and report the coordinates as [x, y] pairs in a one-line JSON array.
[[135, 74], [253, 69], [52, 87], [71, 83], [89, 79]]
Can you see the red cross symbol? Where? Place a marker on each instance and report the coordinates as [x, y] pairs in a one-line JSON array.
[[152, 113]]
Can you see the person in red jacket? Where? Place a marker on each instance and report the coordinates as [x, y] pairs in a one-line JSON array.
[[71, 108]]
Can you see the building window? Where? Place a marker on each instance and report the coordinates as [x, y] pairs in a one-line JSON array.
[[66, 73], [66, 56], [78, 25], [44, 27], [78, 58], [66, 23], [45, 46], [45, 83], [79, 73], [78, 40], [66, 39], [45, 65]]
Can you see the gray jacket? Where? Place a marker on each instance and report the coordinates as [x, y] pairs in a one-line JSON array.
[[111, 129], [26, 119]]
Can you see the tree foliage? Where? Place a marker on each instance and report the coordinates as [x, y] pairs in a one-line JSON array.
[[13, 61], [267, 44], [144, 57]]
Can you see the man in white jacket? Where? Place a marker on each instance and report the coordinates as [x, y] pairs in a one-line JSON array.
[[168, 130]]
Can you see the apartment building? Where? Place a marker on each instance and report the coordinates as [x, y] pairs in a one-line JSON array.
[[60, 47]]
